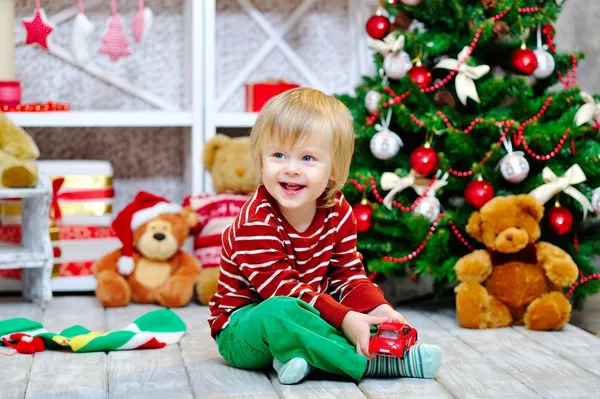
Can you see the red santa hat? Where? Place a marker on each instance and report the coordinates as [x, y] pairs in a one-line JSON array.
[[142, 209]]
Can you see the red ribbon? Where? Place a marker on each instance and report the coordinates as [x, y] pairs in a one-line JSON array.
[[79, 195], [55, 213]]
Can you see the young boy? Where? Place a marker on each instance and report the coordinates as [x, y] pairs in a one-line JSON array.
[[292, 288]]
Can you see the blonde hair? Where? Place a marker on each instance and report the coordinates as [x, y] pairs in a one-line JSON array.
[[301, 115]]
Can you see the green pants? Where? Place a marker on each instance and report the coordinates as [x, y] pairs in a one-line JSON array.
[[285, 328]]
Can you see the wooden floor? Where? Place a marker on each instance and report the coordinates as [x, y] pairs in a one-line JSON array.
[[503, 363]]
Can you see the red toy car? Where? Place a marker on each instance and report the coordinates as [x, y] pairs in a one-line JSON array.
[[393, 339]]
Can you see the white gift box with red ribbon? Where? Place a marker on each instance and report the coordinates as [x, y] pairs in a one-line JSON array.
[[80, 218]]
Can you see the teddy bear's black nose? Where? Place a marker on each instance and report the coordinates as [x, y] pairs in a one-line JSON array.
[[159, 236], [509, 237]]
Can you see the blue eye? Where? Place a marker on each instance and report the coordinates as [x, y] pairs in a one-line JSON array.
[[307, 158], [278, 155]]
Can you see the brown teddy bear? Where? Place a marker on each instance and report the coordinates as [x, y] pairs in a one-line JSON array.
[[516, 280], [228, 160], [150, 267]]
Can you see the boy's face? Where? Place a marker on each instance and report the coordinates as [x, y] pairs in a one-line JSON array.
[[296, 176]]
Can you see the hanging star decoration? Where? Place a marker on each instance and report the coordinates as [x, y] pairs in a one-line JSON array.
[[114, 42], [465, 86], [38, 28]]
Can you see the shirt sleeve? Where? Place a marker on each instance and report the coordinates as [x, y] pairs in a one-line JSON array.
[[259, 253], [348, 282]]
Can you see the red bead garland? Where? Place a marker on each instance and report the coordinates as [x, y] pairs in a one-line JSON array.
[[396, 203], [532, 119], [445, 118], [416, 120], [36, 107], [418, 250], [595, 276], [552, 153], [521, 139], [487, 155], [356, 184], [529, 10], [571, 74], [460, 236]]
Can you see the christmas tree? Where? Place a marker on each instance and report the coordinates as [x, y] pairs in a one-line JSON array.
[[471, 101]]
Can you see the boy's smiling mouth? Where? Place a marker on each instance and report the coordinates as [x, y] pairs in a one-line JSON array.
[[291, 188]]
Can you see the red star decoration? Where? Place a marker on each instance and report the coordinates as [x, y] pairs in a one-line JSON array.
[[38, 29]]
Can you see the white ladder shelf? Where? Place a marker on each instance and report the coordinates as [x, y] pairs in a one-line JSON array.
[[34, 254]]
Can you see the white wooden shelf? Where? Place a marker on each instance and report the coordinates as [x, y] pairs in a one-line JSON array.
[[21, 192], [27, 258], [101, 118], [236, 119]]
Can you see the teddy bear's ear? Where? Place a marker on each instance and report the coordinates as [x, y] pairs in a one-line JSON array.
[[474, 226], [529, 205], [212, 146], [190, 216]]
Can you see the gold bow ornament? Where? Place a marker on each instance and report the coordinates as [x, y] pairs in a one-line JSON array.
[[394, 183], [466, 74], [554, 185]]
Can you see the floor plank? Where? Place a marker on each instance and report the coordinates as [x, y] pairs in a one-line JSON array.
[[13, 384], [542, 370], [316, 387], [210, 375], [144, 373], [572, 343], [64, 374], [464, 372], [376, 388]]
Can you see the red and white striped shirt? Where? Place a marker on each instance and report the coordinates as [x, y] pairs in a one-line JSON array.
[[264, 256]]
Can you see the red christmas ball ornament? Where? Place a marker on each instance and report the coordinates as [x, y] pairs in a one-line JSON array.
[[364, 215], [560, 220], [378, 27], [478, 192], [424, 160], [421, 75], [523, 61]]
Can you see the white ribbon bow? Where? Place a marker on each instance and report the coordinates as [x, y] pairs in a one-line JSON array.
[[395, 183], [389, 44], [555, 184], [588, 111], [465, 87]]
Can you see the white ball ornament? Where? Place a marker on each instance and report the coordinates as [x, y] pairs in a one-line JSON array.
[[596, 200], [546, 64], [429, 207], [514, 167], [396, 65], [372, 101], [385, 144]]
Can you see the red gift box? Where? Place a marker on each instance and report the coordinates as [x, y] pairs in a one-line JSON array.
[[257, 94]]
